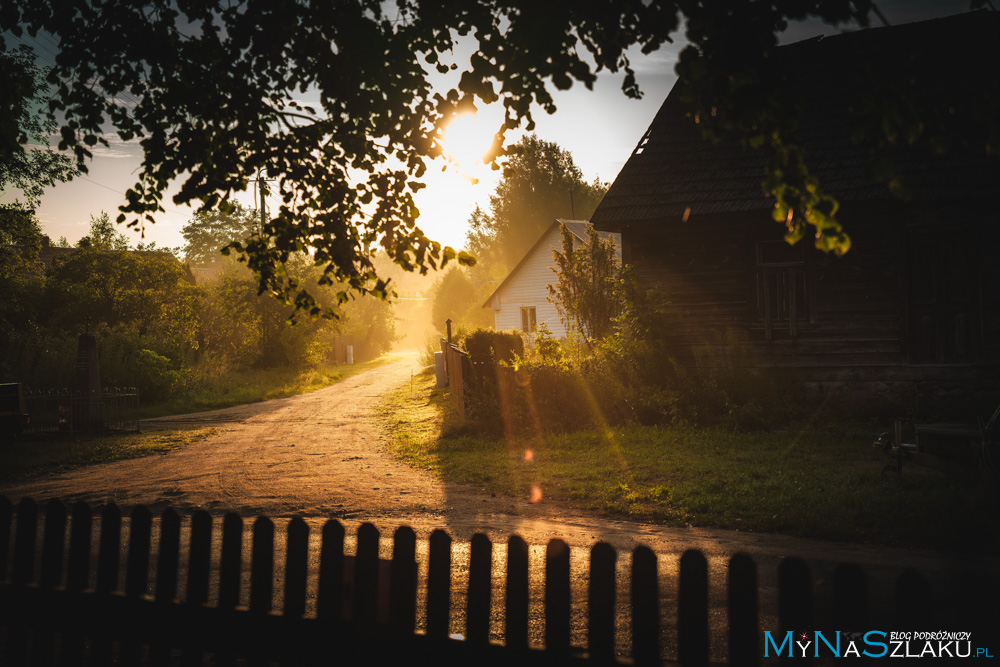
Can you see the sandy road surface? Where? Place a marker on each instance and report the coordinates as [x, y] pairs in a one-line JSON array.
[[324, 454]]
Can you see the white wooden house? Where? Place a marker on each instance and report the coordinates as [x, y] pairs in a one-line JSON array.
[[522, 300]]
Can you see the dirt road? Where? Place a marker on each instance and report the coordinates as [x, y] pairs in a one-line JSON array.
[[324, 454]]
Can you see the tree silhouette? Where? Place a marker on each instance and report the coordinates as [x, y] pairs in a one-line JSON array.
[[212, 91]]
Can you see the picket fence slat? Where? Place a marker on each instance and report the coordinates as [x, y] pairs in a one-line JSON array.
[[25, 537], [601, 601], [366, 576], [199, 558], [850, 597], [262, 566], [439, 585], [366, 607], [6, 518], [517, 593], [296, 567], [480, 594], [557, 603], [743, 644], [53, 543], [230, 561], [692, 613], [330, 590], [403, 582], [645, 597]]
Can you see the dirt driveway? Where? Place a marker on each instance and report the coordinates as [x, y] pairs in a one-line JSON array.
[[324, 454]]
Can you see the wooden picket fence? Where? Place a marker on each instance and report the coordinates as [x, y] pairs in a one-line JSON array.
[[62, 603]]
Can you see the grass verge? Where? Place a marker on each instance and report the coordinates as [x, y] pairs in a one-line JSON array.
[[824, 482], [35, 456], [229, 388]]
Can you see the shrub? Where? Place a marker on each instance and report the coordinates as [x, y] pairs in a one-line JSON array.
[[496, 345], [153, 375]]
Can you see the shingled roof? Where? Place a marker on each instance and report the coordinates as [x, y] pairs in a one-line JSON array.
[[674, 167]]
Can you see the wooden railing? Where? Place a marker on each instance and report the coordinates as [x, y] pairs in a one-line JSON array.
[[69, 596]]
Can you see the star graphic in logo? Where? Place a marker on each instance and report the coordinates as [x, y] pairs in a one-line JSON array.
[[804, 636]]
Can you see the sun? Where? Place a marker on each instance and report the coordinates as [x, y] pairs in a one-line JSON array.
[[467, 139]]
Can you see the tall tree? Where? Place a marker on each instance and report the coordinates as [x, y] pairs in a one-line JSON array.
[[540, 184], [209, 231], [26, 162], [584, 292], [217, 88]]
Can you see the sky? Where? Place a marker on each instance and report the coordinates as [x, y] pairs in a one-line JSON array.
[[599, 127]]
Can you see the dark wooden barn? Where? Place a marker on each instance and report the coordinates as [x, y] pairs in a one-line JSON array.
[[912, 311]]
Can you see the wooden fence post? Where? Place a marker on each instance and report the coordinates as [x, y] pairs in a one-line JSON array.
[[136, 576], [108, 560], [850, 598], [230, 574], [366, 566], [110, 547], [25, 539], [601, 602], [477, 616], [439, 585], [645, 590], [140, 537], [53, 544], [296, 566], [6, 517], [743, 645], [913, 601], [403, 582], [692, 612], [262, 566], [516, 629], [557, 597], [77, 576], [231, 561], [795, 604], [199, 558], [167, 562], [50, 575], [330, 593]]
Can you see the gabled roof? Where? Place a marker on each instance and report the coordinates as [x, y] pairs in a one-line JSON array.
[[674, 167], [576, 227]]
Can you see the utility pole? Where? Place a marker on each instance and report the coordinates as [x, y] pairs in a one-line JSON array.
[[260, 181]]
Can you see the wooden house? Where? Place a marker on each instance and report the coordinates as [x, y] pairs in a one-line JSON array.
[[913, 309], [521, 301]]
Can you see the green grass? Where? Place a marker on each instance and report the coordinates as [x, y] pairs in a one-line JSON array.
[[229, 388], [33, 456], [822, 483]]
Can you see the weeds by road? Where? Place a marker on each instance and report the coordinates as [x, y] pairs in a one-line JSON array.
[[36, 455], [823, 481], [230, 388]]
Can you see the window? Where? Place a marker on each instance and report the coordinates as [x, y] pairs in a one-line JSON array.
[[529, 321], [943, 300], [781, 290]]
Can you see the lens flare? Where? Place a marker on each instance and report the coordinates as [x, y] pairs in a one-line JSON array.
[[529, 455], [536, 494]]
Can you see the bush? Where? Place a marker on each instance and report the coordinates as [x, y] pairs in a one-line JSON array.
[[153, 375], [505, 346]]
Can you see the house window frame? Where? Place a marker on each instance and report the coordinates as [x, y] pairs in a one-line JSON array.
[[784, 266], [529, 319], [943, 298]]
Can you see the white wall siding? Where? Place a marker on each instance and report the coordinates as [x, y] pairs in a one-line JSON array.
[[528, 288]]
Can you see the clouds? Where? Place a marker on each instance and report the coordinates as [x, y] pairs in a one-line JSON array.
[[117, 148]]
